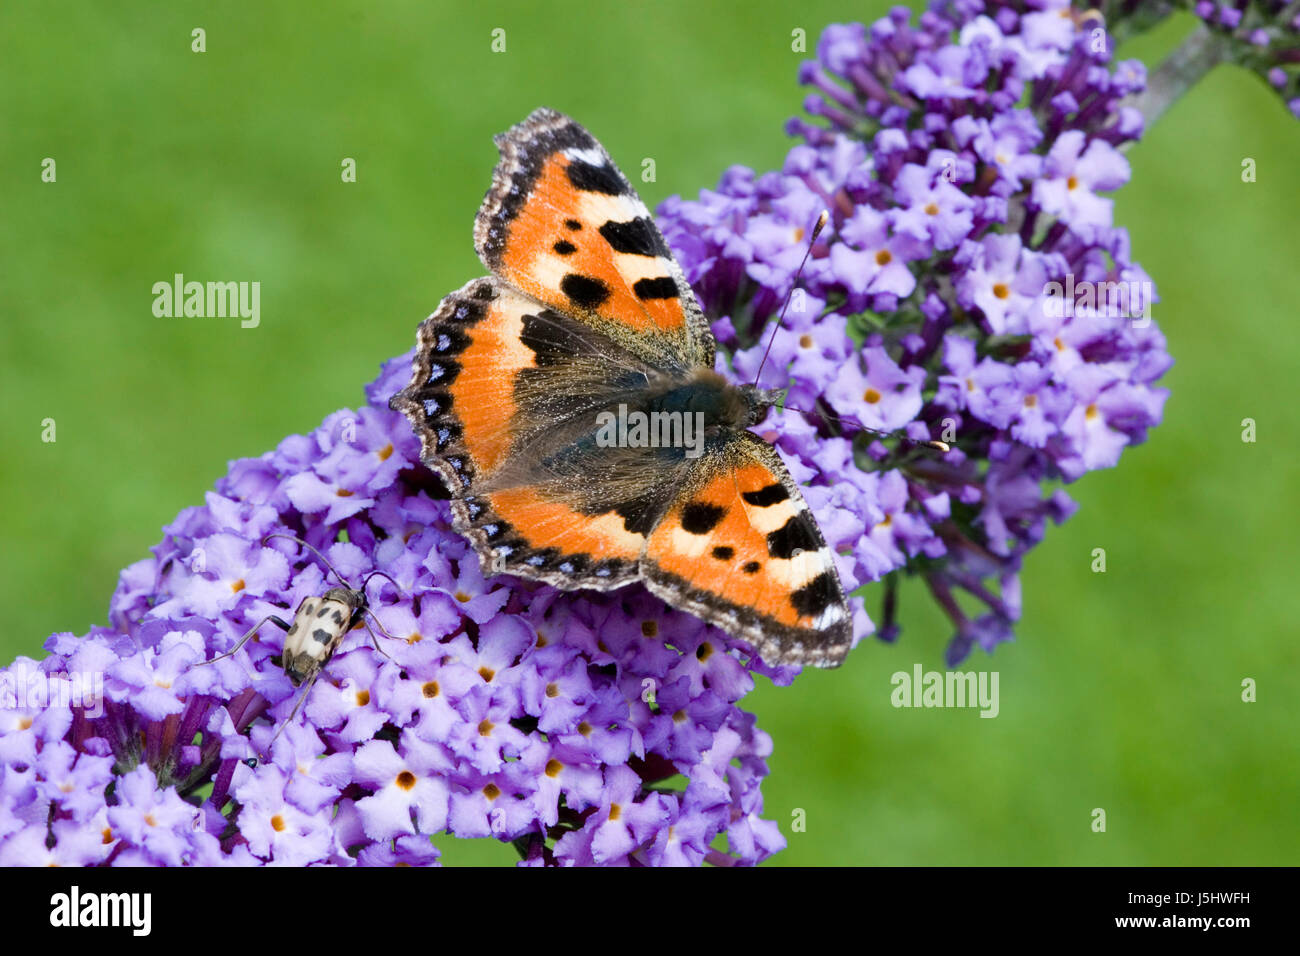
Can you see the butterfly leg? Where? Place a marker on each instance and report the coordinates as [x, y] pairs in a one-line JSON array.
[[279, 622]]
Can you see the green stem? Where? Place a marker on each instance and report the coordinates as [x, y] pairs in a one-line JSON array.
[[1181, 70]]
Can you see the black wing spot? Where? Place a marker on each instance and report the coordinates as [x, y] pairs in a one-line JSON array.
[[661, 288], [550, 340], [797, 534], [565, 248], [338, 618], [323, 611], [595, 179], [584, 291], [751, 567], [815, 596], [636, 237], [700, 517], [724, 553], [572, 225], [639, 515], [322, 636], [766, 497]]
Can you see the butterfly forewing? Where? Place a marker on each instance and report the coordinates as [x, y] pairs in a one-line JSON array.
[[562, 224]]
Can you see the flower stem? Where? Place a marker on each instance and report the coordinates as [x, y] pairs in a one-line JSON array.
[[1181, 70]]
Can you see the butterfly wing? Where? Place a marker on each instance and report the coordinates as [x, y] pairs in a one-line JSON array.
[[562, 224], [738, 547], [504, 395]]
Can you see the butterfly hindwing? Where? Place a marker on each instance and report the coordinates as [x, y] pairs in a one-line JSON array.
[[562, 224], [739, 547]]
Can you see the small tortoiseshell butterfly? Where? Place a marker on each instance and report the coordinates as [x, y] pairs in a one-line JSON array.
[[586, 316]]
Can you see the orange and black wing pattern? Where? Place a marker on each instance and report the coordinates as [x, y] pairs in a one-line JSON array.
[[562, 224], [739, 548]]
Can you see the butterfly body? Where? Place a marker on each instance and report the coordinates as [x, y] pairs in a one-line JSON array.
[[569, 402]]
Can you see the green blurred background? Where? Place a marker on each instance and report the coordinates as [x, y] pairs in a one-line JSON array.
[[1124, 689]]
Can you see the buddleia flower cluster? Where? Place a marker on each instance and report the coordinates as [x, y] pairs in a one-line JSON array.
[[562, 723], [971, 288]]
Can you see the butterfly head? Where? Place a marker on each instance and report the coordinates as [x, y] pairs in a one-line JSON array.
[[759, 400]]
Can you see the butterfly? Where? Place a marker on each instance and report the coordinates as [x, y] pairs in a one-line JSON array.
[[569, 402]]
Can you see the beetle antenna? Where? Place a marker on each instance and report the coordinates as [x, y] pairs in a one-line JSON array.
[[383, 575], [324, 559], [816, 231]]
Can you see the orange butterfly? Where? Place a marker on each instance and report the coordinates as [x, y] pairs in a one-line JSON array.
[[569, 402]]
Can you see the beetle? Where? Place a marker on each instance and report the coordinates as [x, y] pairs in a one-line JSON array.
[[318, 628]]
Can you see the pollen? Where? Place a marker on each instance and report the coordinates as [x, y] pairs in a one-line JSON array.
[[385, 452], [1031, 401], [552, 689], [462, 597], [871, 396], [343, 493], [805, 341], [1072, 183], [679, 716], [798, 234], [415, 637], [406, 780], [1001, 291], [277, 823], [931, 209], [704, 651], [107, 836], [491, 791], [884, 257], [148, 818], [487, 673], [485, 727], [1060, 346], [615, 811], [553, 768], [1090, 412], [237, 586], [24, 723], [584, 728], [431, 689], [363, 698], [164, 684], [649, 628]]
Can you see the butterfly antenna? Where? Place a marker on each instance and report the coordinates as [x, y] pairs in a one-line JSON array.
[[324, 559], [816, 231], [941, 446]]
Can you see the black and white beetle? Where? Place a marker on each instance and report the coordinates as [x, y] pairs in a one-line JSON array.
[[318, 628]]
